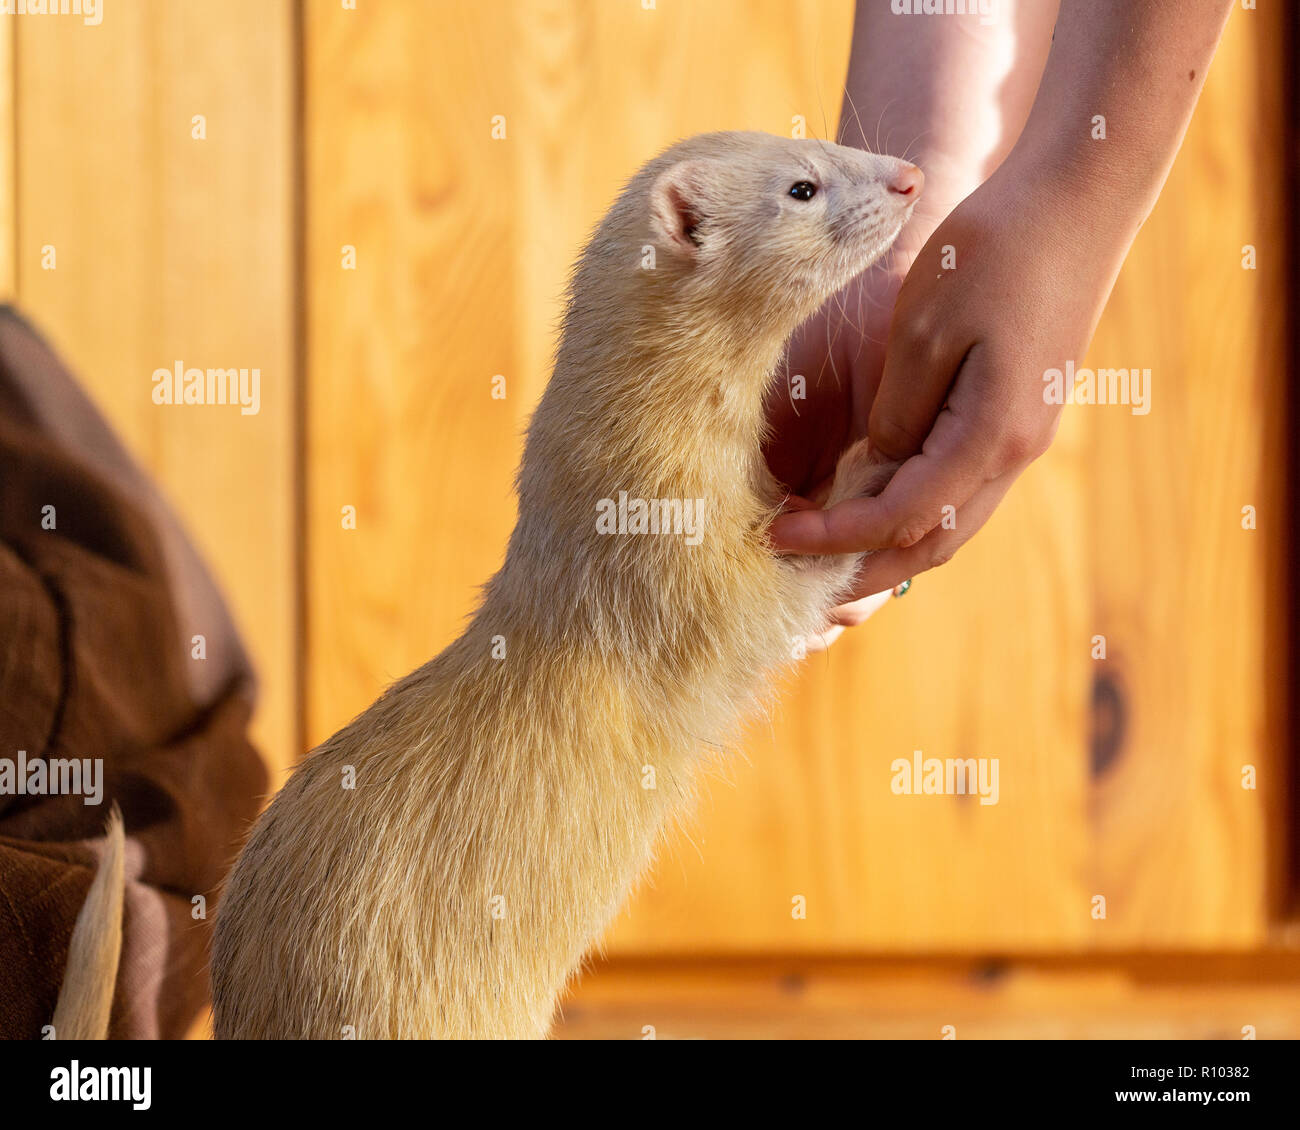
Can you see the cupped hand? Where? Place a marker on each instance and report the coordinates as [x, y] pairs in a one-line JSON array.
[[1009, 286]]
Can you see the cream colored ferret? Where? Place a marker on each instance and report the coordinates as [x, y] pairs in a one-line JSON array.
[[499, 814]]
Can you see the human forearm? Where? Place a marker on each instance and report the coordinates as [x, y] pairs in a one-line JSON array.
[[1039, 244], [950, 91], [1134, 71]]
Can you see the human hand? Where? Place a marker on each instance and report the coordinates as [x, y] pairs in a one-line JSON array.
[[961, 396], [832, 370]]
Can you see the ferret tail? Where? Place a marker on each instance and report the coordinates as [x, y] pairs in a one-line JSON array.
[[86, 998]]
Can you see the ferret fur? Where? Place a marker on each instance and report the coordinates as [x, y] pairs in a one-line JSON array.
[[500, 812]]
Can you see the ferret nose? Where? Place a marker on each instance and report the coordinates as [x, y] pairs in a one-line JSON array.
[[907, 181]]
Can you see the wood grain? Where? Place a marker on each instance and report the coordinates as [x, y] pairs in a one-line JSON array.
[[1128, 528], [402, 350], [8, 120], [1186, 598], [170, 248], [1134, 997]]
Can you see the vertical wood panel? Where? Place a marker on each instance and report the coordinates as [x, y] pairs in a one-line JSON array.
[[8, 114], [401, 351], [1188, 600], [170, 248]]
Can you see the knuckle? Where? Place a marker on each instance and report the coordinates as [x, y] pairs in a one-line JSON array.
[[895, 438], [918, 332], [1022, 446], [941, 554], [909, 533], [851, 616], [1015, 447]]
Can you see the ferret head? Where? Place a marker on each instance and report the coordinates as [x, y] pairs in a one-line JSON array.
[[757, 230]]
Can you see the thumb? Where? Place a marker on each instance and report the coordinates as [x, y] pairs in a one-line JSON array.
[[921, 363]]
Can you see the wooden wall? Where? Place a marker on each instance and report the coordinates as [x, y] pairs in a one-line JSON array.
[[330, 128], [168, 248]]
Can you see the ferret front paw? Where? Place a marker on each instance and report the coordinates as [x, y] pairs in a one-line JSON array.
[[860, 473]]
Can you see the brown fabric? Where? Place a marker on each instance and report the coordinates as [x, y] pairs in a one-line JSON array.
[[96, 619]]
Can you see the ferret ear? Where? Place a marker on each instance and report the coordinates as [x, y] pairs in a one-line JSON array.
[[677, 206]]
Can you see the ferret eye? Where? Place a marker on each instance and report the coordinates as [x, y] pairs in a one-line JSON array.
[[803, 190]]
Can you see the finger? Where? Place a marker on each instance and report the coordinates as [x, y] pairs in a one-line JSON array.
[[892, 567], [821, 641], [859, 610], [953, 466], [921, 364], [847, 616]]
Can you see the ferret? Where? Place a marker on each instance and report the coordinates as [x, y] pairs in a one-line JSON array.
[[440, 866]]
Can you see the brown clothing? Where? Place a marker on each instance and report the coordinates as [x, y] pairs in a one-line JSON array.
[[97, 613]]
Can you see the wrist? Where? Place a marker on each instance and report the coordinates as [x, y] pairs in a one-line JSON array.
[[1077, 176]]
